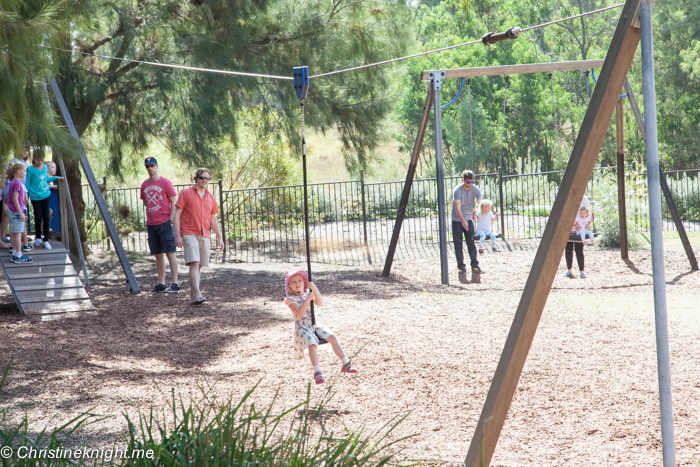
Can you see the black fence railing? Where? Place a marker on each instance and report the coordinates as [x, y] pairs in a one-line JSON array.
[[352, 221]]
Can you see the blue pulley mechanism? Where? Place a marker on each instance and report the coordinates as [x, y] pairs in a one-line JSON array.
[[301, 81]]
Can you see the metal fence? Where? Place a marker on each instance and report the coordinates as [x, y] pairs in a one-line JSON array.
[[352, 221]]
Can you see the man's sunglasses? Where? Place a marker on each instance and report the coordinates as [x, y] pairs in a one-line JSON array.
[[469, 182], [204, 178], [148, 166]]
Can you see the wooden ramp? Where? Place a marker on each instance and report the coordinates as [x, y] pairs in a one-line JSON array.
[[48, 287]]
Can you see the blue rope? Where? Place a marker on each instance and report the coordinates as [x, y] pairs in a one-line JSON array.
[[596, 81], [461, 86]]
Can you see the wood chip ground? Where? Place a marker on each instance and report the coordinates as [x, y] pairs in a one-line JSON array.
[[587, 396]]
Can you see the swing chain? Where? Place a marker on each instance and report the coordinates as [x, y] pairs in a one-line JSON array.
[[303, 126], [471, 124]]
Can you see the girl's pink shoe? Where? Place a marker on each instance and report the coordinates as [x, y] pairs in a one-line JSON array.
[[318, 377], [348, 368]]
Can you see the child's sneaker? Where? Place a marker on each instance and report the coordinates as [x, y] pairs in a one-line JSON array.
[[318, 378], [174, 288], [568, 274], [22, 259], [27, 247], [348, 368], [494, 249], [47, 245], [481, 251], [38, 242], [582, 275]]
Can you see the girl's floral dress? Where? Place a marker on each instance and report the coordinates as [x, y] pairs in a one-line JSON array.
[[304, 335]]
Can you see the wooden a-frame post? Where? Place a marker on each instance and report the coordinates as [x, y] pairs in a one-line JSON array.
[[409, 182], [111, 229], [621, 200], [664, 184], [544, 268]]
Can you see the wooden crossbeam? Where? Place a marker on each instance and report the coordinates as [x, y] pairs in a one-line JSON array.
[[518, 69], [544, 268]]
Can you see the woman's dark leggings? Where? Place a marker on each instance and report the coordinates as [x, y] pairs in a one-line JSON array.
[[570, 254], [41, 215]]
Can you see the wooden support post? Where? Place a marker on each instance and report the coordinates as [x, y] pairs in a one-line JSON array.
[[544, 268], [664, 184], [63, 214], [409, 181], [74, 222], [621, 200], [92, 181]]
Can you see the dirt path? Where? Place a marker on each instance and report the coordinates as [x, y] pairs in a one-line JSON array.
[[587, 396]]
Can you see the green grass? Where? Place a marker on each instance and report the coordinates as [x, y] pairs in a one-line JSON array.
[[671, 239]]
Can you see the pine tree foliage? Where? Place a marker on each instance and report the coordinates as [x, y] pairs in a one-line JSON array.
[[194, 113], [24, 69]]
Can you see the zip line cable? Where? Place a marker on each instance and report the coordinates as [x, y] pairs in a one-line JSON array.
[[179, 67], [543, 25], [330, 73], [463, 44]]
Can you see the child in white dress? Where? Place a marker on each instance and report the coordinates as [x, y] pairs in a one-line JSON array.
[[484, 219], [582, 223], [300, 294]]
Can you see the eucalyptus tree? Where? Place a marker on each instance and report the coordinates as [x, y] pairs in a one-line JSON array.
[[525, 132], [677, 48], [194, 113]]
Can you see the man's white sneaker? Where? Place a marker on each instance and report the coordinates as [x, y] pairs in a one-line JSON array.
[[38, 242], [47, 245]]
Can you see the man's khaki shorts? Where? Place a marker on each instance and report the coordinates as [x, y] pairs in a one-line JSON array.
[[197, 248]]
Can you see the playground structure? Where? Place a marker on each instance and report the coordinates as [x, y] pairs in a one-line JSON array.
[[635, 17], [48, 287], [604, 101]]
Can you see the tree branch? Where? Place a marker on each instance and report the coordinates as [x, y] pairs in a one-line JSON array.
[[338, 10], [281, 40], [91, 49], [114, 94], [125, 69]]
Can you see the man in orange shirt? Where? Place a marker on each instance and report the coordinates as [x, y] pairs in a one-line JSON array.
[[195, 216]]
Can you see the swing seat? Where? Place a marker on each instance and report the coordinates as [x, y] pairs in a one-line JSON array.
[[321, 340], [577, 238]]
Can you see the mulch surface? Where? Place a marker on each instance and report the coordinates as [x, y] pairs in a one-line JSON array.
[[588, 394]]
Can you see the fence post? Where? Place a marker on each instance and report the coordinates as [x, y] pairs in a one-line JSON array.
[[500, 202], [364, 213], [223, 221]]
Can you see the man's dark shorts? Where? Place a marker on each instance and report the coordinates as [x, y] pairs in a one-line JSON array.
[[161, 238]]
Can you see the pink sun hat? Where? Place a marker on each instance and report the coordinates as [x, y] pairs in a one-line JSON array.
[[303, 275]]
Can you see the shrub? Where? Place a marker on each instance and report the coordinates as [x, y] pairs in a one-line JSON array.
[[607, 217], [214, 432]]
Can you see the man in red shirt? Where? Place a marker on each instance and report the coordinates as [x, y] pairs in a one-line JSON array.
[[159, 196], [195, 216]]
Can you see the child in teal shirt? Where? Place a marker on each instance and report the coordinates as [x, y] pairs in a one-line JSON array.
[[39, 192]]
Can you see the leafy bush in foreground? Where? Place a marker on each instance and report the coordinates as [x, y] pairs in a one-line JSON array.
[[213, 432], [206, 432]]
